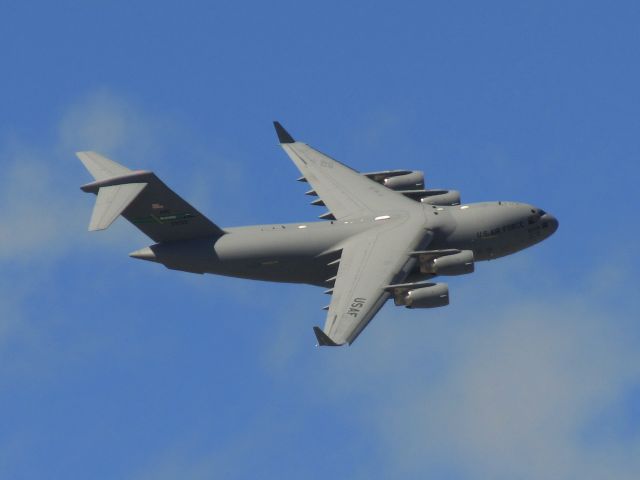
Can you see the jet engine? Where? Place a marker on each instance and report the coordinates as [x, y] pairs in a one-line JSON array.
[[409, 181], [398, 179], [441, 197], [459, 263], [430, 295], [411, 184]]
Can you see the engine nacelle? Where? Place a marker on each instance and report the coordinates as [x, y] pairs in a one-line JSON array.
[[441, 197], [455, 264], [430, 296], [409, 181]]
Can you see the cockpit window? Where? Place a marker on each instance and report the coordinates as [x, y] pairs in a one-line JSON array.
[[541, 212], [533, 218]]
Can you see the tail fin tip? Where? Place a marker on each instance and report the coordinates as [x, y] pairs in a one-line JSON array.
[[101, 167]]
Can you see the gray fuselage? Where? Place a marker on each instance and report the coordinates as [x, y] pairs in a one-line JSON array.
[[303, 252]]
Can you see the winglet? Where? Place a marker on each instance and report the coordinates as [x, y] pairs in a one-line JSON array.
[[283, 135], [323, 338]]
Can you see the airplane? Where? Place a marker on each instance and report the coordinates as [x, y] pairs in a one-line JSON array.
[[384, 237]]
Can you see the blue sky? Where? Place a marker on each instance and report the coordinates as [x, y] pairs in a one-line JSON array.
[[116, 368]]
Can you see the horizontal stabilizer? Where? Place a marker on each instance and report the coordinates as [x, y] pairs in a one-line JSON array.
[[323, 338], [111, 202]]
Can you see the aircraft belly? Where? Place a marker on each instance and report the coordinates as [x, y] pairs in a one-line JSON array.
[[277, 253], [286, 270]]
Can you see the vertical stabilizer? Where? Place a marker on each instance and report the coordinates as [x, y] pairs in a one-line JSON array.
[[144, 200]]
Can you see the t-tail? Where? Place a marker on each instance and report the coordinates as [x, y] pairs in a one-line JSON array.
[[144, 200]]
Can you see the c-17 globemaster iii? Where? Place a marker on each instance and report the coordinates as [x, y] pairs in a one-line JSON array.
[[385, 236]]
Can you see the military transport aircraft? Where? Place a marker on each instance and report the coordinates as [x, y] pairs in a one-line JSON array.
[[385, 235]]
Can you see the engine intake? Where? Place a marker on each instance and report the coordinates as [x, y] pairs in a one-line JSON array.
[[411, 184], [398, 179], [441, 197], [430, 295], [459, 263], [410, 181]]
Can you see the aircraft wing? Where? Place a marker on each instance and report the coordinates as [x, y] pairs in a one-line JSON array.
[[370, 262], [345, 192]]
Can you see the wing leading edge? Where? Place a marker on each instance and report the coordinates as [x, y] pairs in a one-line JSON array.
[[345, 192]]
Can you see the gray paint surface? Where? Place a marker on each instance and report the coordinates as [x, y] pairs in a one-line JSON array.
[[379, 238]]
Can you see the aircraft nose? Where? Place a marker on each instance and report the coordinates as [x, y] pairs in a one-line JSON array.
[[550, 223]]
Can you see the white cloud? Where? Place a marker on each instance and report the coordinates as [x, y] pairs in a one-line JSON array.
[[505, 383], [106, 122], [498, 385], [507, 391], [45, 215], [39, 216], [515, 400]]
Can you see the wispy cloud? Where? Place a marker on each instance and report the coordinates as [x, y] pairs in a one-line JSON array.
[[515, 399], [38, 212], [509, 392], [45, 215], [507, 382], [104, 121]]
